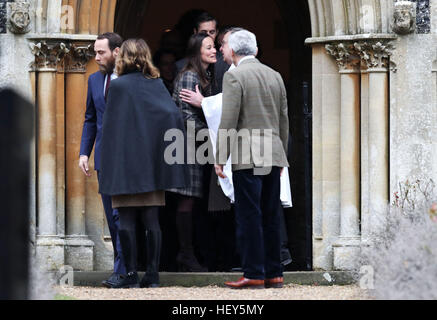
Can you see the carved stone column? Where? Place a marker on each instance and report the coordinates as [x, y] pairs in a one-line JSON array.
[[346, 249], [49, 245], [375, 56], [353, 150], [79, 248]]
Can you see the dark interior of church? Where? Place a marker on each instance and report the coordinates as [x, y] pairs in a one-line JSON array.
[[281, 28]]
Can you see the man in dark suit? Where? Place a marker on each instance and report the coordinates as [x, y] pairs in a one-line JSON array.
[[255, 118], [106, 48]]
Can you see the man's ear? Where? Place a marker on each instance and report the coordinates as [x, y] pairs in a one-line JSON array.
[[195, 31], [116, 52], [233, 54], [257, 50]]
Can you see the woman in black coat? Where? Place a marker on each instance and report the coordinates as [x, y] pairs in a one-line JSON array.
[[134, 170]]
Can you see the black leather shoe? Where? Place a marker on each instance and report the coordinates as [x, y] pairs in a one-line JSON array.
[[113, 279], [127, 281]]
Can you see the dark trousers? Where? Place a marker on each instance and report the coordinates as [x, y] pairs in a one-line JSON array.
[[112, 217], [257, 198]]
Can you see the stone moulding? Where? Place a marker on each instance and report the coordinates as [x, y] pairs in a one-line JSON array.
[[61, 55], [376, 54], [345, 55], [48, 55], [79, 57], [370, 54]]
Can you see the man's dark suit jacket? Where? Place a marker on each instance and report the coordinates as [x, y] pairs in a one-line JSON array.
[[95, 108]]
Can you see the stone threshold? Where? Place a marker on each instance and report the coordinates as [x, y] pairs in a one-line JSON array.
[[169, 279]]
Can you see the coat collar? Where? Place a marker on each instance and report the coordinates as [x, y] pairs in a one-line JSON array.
[[255, 60]]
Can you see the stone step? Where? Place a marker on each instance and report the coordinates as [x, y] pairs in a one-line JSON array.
[[168, 279]]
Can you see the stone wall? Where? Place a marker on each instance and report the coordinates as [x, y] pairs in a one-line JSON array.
[[413, 113], [14, 54]]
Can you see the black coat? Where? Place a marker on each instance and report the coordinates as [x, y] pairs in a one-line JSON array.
[[138, 114]]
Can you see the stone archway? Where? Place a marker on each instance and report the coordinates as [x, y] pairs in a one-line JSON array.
[[288, 24], [68, 213]]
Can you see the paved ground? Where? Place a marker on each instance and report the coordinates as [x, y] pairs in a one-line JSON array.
[[289, 292]]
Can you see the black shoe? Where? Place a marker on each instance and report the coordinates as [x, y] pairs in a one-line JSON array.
[[113, 279], [127, 281]]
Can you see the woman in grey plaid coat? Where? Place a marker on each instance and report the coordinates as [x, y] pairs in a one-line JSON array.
[[201, 54]]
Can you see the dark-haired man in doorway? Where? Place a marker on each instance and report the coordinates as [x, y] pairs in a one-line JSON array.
[[206, 23], [106, 48]]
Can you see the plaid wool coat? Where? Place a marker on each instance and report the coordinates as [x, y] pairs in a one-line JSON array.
[[189, 80]]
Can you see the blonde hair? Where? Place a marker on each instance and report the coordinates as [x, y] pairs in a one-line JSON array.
[[134, 56]]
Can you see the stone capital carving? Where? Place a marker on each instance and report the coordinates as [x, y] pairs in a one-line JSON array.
[[375, 54], [78, 57], [345, 55], [404, 17], [19, 17], [371, 54], [49, 56], [61, 56]]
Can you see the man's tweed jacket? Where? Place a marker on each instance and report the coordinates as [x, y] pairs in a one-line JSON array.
[[254, 98]]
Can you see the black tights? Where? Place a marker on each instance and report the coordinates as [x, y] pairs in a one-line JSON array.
[[129, 218], [147, 216]]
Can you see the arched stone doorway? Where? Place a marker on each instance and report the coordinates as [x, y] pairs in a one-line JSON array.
[[281, 34], [68, 214]]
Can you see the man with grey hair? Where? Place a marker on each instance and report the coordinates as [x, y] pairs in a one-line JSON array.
[[254, 101]]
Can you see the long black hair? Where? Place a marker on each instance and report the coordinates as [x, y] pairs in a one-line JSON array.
[[195, 63]]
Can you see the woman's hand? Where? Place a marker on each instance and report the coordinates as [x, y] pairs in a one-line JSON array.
[[193, 98]]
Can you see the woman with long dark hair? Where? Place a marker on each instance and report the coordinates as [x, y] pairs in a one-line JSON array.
[[199, 71], [134, 172]]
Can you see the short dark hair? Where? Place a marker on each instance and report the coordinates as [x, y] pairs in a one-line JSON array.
[[114, 39], [204, 17]]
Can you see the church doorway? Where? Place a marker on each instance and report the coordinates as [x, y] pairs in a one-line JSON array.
[[281, 27]]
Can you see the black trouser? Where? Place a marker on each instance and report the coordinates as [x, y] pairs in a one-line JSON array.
[[257, 198], [129, 218]]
